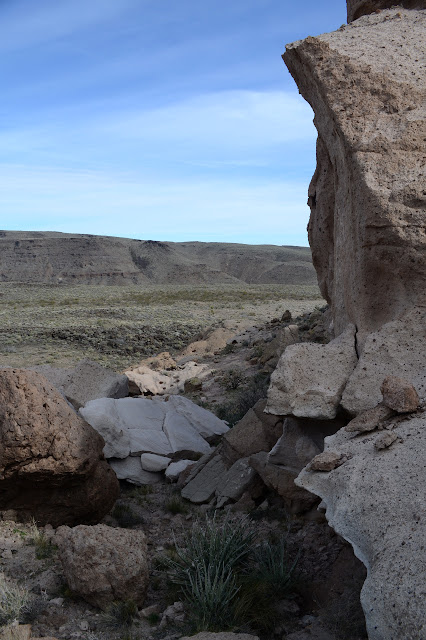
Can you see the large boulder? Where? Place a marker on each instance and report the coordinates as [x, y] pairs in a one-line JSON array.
[[102, 564], [310, 378], [51, 463], [366, 86], [358, 8], [375, 499]]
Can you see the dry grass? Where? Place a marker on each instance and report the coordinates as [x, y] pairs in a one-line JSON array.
[[119, 325]]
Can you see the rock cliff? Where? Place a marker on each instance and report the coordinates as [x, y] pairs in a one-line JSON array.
[[366, 85]]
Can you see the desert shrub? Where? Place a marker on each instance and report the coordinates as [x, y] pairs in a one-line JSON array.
[[234, 409], [229, 348], [14, 601], [232, 379], [273, 567], [43, 546], [125, 516], [140, 494], [176, 505], [207, 569], [120, 614]]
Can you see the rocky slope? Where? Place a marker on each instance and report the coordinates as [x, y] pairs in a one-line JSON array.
[[366, 85], [51, 257]]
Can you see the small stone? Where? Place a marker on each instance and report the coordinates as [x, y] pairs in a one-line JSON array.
[[84, 625], [370, 419], [399, 395], [327, 461], [385, 440], [57, 601]]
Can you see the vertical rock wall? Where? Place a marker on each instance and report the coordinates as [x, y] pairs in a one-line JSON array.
[[366, 85]]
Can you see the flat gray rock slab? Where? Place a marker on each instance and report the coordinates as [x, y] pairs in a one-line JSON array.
[[174, 469], [133, 426], [203, 486], [103, 417], [235, 481], [131, 470], [154, 463]]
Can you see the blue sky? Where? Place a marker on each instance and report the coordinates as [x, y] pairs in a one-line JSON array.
[[157, 119]]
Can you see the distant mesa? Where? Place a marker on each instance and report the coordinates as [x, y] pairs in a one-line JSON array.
[[62, 258]]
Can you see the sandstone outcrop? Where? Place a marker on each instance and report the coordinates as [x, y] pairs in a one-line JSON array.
[[51, 463], [102, 564], [366, 85]]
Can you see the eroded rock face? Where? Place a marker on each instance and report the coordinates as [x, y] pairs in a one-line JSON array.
[[102, 564], [376, 500], [366, 85], [51, 462], [358, 8]]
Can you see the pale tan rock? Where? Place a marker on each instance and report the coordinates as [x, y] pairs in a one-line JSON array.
[[148, 381], [327, 461], [358, 8], [214, 342], [399, 395], [51, 462], [385, 440], [366, 84], [295, 448], [370, 419], [16, 632], [102, 564], [310, 378], [398, 348], [163, 361]]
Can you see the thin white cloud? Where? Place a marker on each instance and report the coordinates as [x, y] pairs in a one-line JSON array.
[[221, 119]]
